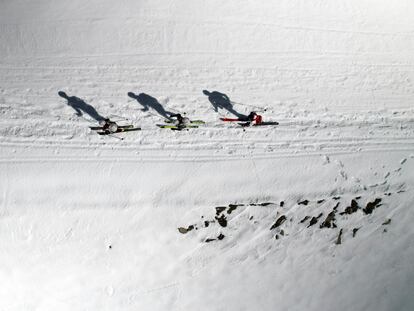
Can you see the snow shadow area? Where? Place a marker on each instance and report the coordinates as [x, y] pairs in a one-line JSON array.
[[148, 102], [222, 101], [81, 106]]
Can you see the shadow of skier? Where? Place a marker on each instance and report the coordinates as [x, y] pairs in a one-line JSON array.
[[221, 100], [148, 101], [81, 107]]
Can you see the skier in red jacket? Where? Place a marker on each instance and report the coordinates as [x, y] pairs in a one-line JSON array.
[[254, 117]]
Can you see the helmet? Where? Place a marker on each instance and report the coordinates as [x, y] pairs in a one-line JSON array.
[[113, 127]]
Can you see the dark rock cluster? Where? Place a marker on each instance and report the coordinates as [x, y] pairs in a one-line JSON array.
[[222, 213]]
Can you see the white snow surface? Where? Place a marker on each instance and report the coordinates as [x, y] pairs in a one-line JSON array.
[[90, 222]]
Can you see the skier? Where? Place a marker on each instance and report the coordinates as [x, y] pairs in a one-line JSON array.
[[254, 117], [108, 126], [180, 121]]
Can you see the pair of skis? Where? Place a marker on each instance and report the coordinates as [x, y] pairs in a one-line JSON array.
[[179, 127], [245, 123], [121, 129]]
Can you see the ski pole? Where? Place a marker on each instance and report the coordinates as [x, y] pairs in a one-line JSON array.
[[114, 136], [259, 108], [117, 116]]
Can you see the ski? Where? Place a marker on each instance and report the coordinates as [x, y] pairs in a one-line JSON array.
[[245, 124], [191, 122], [176, 127], [230, 119], [97, 128], [267, 123], [120, 130]]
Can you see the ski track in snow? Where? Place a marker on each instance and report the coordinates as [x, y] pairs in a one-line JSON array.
[[212, 141]]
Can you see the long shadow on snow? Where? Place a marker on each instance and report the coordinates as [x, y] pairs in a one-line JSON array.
[[221, 100], [148, 101], [81, 107]]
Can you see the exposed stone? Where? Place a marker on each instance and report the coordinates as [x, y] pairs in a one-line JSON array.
[[220, 209], [232, 207], [222, 220], [386, 222], [185, 230], [371, 206], [351, 209], [354, 231], [265, 204], [339, 239], [314, 220], [278, 222], [327, 223]]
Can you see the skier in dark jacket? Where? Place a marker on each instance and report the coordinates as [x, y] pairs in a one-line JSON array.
[[108, 125], [180, 121]]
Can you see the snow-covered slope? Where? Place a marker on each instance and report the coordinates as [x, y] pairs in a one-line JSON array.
[[312, 214]]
